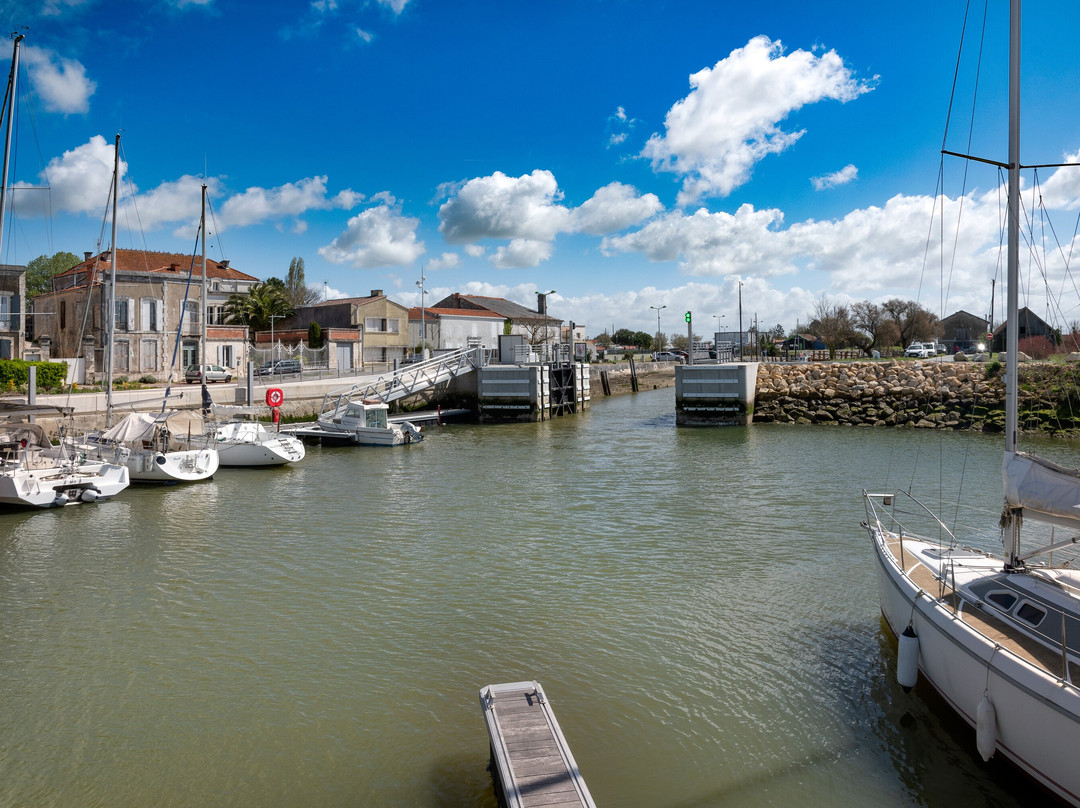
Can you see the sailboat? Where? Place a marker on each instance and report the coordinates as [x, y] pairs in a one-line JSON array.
[[151, 450], [997, 635], [33, 472]]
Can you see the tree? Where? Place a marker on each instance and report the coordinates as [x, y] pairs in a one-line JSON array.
[[643, 339], [872, 326], [40, 272], [624, 336], [603, 340], [254, 308], [314, 336], [912, 321], [296, 288], [832, 324]]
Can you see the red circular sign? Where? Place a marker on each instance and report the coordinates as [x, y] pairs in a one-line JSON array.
[[274, 397]]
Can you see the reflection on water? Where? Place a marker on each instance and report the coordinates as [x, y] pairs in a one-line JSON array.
[[698, 603]]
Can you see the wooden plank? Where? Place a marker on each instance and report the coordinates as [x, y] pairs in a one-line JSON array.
[[533, 762]]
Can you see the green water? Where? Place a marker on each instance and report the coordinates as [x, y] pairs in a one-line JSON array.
[[699, 605]]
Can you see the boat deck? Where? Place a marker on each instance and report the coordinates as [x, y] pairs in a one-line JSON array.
[[1005, 635], [533, 765]]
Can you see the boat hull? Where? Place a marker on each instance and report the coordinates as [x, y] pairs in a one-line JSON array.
[[185, 466], [53, 487], [250, 444], [360, 436], [1037, 723]]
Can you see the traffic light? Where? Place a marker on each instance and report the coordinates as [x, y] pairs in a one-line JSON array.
[[687, 316]]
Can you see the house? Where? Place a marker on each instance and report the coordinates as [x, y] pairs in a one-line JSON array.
[[157, 295], [452, 329], [12, 295], [533, 324], [962, 331], [373, 328], [1031, 325]]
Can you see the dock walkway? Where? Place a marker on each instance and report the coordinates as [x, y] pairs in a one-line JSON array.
[[532, 761]]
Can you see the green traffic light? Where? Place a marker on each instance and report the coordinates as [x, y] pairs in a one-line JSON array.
[[687, 316]]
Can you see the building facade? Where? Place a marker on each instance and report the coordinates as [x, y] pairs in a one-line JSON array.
[[158, 314]]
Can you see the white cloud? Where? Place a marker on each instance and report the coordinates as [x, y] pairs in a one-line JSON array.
[[614, 207], [842, 177], [397, 6], [376, 237], [364, 36], [474, 250], [730, 120], [61, 83], [447, 260], [256, 205], [79, 180], [170, 202], [499, 206], [521, 252]]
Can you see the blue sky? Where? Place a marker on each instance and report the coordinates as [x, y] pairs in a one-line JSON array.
[[625, 154]]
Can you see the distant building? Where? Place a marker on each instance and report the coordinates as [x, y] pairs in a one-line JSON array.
[[452, 329], [153, 290], [12, 295], [1031, 325], [376, 324], [962, 331], [535, 326]]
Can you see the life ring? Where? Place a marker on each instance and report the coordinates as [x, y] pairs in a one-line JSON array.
[[275, 397]]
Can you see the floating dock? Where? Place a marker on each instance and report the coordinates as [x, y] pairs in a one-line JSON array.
[[532, 763]]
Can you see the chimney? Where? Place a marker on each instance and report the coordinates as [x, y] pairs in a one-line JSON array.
[[224, 264], [86, 255], [376, 292]]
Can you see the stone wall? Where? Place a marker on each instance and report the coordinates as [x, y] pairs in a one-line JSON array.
[[956, 395]]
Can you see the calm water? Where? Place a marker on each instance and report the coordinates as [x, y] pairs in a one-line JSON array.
[[699, 605]]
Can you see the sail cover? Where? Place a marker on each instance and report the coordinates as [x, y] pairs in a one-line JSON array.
[[1044, 490], [135, 426]]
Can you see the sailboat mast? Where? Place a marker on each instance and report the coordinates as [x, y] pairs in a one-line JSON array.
[[205, 308], [1012, 324], [110, 318], [12, 80]]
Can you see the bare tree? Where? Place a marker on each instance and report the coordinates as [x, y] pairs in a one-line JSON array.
[[872, 327], [912, 321], [832, 323]]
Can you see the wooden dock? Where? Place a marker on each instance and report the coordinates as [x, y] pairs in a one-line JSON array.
[[532, 763]]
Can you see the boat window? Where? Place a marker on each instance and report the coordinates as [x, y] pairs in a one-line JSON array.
[[1003, 600], [1030, 613]]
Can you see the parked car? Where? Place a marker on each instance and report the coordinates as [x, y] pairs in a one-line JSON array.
[[921, 350], [213, 373], [279, 367], [667, 356]]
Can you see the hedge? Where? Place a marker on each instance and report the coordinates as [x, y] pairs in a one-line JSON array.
[[15, 374]]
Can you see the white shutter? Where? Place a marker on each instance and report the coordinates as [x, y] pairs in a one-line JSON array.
[[131, 314], [220, 349], [159, 320]]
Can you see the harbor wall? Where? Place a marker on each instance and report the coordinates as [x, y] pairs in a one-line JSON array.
[[932, 395]]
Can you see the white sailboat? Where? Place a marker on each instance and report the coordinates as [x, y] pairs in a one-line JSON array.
[[150, 450], [998, 636], [34, 473], [241, 442]]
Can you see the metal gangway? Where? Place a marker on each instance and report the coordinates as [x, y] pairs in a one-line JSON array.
[[411, 379]]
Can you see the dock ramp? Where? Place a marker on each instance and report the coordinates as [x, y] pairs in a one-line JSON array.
[[532, 763], [411, 379]]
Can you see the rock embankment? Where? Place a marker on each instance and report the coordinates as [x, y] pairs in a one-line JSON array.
[[954, 395]]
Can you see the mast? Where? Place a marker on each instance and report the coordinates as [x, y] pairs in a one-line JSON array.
[[205, 308], [12, 80], [110, 296], [1012, 325]]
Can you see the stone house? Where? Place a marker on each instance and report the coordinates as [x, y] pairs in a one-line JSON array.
[[158, 295], [12, 295], [372, 329]]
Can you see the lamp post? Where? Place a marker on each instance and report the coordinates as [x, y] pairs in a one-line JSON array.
[[659, 346], [716, 342], [423, 327], [273, 345], [541, 308]]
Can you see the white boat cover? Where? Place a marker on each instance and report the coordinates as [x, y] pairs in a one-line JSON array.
[[135, 426], [1044, 490]]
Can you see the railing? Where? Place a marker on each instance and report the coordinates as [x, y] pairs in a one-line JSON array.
[[410, 379]]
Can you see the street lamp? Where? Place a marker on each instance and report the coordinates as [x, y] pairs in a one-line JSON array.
[[541, 308], [273, 345], [423, 328], [659, 346]]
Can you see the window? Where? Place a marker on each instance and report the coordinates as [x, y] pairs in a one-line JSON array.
[[1030, 613], [1002, 599], [63, 314], [5, 313], [226, 356], [122, 311], [382, 324]]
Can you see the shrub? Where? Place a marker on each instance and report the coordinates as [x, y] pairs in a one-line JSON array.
[[15, 373], [1036, 347]]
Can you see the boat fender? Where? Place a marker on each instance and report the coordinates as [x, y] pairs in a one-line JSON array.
[[986, 728], [907, 662], [89, 495]]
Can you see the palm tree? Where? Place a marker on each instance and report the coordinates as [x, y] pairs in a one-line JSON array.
[[255, 307]]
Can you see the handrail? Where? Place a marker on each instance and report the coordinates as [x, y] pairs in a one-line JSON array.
[[409, 380]]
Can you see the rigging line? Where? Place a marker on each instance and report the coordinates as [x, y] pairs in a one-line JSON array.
[[180, 324], [135, 206]]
